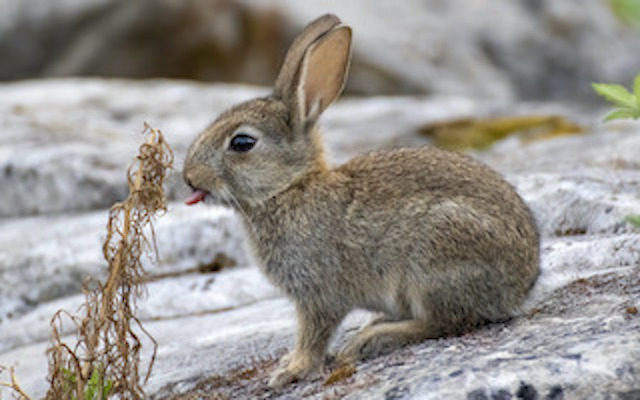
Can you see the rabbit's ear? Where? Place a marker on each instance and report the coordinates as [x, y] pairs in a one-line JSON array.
[[323, 73], [287, 78]]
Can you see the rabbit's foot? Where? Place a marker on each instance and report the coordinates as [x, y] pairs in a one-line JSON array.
[[295, 367], [383, 337]]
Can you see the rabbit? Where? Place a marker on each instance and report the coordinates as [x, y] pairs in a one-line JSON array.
[[433, 241]]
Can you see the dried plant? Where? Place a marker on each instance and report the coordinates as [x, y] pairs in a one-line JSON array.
[[105, 359], [13, 384]]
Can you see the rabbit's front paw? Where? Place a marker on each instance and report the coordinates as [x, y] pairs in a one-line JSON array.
[[296, 367], [282, 376]]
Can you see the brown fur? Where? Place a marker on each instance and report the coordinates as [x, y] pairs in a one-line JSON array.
[[436, 242]]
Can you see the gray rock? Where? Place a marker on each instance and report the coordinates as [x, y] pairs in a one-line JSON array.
[[577, 185], [68, 249], [71, 154], [221, 333]]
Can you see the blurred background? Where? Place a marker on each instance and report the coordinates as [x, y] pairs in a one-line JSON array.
[[499, 49]]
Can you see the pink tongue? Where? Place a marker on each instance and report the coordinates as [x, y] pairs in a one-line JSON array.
[[195, 197]]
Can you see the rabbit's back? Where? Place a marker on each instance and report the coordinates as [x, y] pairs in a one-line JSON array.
[[415, 180], [392, 175]]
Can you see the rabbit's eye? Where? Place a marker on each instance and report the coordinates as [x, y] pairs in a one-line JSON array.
[[242, 143]]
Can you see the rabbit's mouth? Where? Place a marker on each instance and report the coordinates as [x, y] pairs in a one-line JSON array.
[[196, 196]]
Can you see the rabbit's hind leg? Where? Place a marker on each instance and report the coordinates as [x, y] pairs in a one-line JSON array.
[[384, 337], [380, 318]]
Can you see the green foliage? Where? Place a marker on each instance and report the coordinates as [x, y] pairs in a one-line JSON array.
[[633, 220], [627, 11], [97, 387], [627, 103], [628, 107], [70, 377]]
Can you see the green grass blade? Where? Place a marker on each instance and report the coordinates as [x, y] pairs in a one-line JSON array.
[[617, 94], [106, 390], [636, 90], [622, 113]]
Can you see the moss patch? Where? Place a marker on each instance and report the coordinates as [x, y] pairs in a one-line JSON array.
[[481, 133]]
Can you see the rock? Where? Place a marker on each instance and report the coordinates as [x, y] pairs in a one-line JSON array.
[[71, 154], [537, 49], [221, 327], [590, 179], [68, 249]]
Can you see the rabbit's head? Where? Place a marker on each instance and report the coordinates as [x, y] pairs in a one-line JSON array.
[[261, 147]]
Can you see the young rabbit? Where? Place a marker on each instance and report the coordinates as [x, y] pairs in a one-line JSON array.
[[434, 241]]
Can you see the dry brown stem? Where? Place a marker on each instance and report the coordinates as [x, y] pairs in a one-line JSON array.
[[14, 385], [108, 334]]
